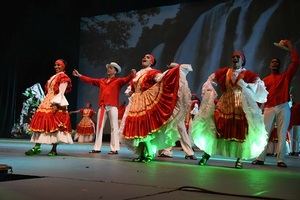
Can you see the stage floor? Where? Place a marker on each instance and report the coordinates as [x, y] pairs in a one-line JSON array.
[[76, 174]]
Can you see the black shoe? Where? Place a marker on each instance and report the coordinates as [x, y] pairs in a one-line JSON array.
[[258, 162], [162, 155], [281, 164], [112, 152], [191, 157], [291, 153], [95, 151], [238, 164], [294, 154], [204, 159]]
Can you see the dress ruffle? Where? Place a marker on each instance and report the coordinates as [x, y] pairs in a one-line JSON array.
[[85, 130], [86, 126], [57, 137], [84, 138], [150, 109], [44, 123], [81, 130]]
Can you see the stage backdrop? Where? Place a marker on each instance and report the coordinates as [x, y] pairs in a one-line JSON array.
[[202, 33]]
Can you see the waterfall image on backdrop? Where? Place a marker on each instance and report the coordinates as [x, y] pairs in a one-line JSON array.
[[202, 33]]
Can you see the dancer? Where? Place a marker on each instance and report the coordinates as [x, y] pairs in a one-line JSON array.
[[233, 126], [51, 122], [185, 140], [277, 109], [85, 130], [154, 110], [109, 91]]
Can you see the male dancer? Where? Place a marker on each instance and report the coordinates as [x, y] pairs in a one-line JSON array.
[[109, 91]]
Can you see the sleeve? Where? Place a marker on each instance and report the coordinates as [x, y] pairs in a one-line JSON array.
[[89, 80], [257, 90], [62, 78], [294, 65], [60, 98], [127, 79]]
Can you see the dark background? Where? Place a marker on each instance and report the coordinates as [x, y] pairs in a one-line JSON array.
[[34, 34]]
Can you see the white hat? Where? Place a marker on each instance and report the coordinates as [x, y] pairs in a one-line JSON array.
[[115, 65]]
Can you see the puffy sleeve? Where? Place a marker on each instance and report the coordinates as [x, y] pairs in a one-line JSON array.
[[259, 91], [60, 98], [294, 65], [254, 87], [126, 79]]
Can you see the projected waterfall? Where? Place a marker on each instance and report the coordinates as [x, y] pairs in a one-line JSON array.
[[202, 33]]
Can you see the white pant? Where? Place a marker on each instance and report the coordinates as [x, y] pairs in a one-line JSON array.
[[112, 113], [185, 141], [294, 138], [279, 114], [272, 148]]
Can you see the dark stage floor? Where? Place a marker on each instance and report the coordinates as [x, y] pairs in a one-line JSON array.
[[75, 174]]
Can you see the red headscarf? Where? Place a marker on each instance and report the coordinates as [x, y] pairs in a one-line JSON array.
[[60, 62]]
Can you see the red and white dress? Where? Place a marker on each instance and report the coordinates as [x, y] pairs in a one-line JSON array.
[[154, 108], [51, 124], [233, 127], [85, 130]]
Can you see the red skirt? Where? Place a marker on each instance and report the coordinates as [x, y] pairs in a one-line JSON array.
[[85, 127], [50, 122], [152, 108]]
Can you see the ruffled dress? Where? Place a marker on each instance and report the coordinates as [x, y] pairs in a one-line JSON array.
[[51, 124], [233, 125], [85, 130], [155, 108]]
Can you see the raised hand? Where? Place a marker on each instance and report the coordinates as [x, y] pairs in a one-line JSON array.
[[76, 73]]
